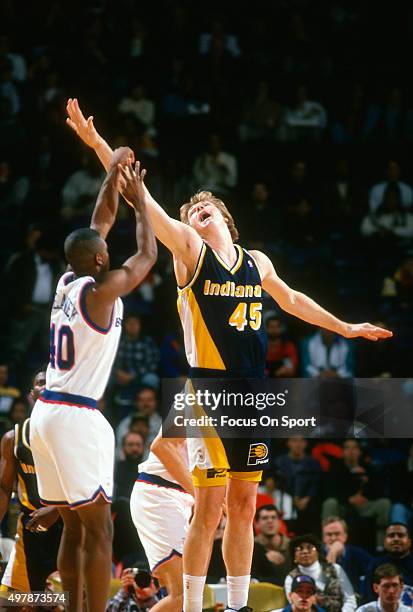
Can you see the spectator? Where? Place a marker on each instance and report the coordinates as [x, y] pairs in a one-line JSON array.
[[326, 355], [334, 590], [342, 200], [173, 363], [260, 220], [305, 119], [16, 60], [377, 192], [262, 116], [282, 355], [13, 190], [215, 170], [136, 362], [397, 290], [390, 221], [31, 278], [273, 487], [138, 592], [401, 490], [140, 424], [397, 551], [207, 39], [126, 470], [8, 90], [80, 191], [270, 546], [357, 489], [146, 405], [298, 185], [353, 559], [8, 392], [303, 596], [388, 586], [301, 475], [141, 107]]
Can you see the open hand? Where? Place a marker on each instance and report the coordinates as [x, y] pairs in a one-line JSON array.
[[131, 183], [368, 331], [84, 128]]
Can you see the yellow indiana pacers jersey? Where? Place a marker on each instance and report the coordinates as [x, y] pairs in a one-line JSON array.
[[221, 313], [26, 474]]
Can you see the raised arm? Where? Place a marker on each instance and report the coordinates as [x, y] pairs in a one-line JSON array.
[[301, 306], [134, 270], [8, 471], [106, 207], [178, 237]]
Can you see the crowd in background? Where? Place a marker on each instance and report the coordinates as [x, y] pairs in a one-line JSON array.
[[303, 133]]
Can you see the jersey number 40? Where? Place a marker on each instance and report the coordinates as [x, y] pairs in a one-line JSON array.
[[62, 348]]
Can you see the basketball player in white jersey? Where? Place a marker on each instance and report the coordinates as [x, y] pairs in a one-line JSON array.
[[207, 234], [71, 441], [161, 505]]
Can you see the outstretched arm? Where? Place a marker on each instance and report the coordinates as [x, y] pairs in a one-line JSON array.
[[303, 307], [178, 237], [122, 281], [106, 207]]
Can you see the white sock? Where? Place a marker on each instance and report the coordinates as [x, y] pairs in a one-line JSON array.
[[193, 593], [237, 591]]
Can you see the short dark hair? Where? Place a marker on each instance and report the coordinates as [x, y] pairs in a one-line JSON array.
[[80, 246], [386, 570], [268, 508], [398, 524], [132, 433]]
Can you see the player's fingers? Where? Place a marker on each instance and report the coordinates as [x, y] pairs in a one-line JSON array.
[[72, 124], [137, 168], [143, 174], [90, 121]]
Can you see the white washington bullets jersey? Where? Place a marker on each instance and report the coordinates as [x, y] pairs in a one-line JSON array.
[[81, 352]]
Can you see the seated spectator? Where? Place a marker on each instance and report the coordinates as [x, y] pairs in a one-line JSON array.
[[354, 488], [306, 119], [303, 596], [146, 404], [138, 592], [260, 218], [141, 107], [140, 424], [350, 123], [136, 363], [388, 586], [271, 556], [301, 474], [16, 60], [397, 552], [390, 222], [353, 559], [297, 185], [325, 354], [173, 363], [215, 169], [342, 199], [126, 470], [8, 392], [390, 121], [397, 290], [401, 490], [334, 590], [80, 191], [262, 116], [377, 192], [272, 486], [207, 39], [282, 355], [301, 225]]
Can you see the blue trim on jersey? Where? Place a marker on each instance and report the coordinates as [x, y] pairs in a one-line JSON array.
[[173, 553], [99, 491], [68, 398], [85, 315], [159, 481]]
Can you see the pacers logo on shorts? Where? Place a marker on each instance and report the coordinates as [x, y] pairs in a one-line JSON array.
[[258, 454]]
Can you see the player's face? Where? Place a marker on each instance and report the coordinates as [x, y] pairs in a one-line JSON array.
[[303, 598], [204, 217], [39, 383]]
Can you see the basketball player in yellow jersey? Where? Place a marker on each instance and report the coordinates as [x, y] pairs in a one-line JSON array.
[[205, 237]]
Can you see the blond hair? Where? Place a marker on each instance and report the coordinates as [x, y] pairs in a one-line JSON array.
[[207, 196]]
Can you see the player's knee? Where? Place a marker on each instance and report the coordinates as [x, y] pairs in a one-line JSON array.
[[208, 518], [242, 508]]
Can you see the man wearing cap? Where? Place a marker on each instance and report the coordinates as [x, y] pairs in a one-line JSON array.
[[303, 596]]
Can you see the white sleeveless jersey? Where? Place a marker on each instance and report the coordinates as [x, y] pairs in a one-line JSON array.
[[154, 466], [81, 353]]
